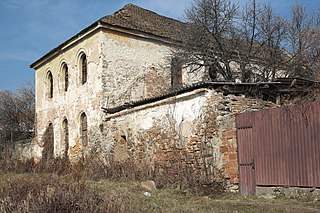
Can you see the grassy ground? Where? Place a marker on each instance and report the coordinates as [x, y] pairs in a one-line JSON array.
[[51, 193]]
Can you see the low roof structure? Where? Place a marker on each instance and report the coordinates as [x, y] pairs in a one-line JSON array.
[[268, 91]]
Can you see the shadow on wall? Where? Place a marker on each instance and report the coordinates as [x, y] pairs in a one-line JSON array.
[[48, 144]]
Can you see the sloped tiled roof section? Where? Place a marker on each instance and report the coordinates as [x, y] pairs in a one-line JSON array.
[[136, 18]]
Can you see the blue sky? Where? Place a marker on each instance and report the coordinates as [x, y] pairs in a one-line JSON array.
[[31, 28]]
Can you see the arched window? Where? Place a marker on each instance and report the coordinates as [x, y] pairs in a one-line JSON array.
[[65, 77], [65, 137], [83, 68], [84, 129], [49, 85]]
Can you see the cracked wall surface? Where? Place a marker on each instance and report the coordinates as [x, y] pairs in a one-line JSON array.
[[196, 129], [121, 68], [135, 68]]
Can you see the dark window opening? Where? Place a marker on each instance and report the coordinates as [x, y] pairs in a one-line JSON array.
[[83, 68], [50, 85], [84, 129], [65, 137], [124, 137], [66, 76]]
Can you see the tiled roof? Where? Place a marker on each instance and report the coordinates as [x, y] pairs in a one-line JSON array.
[[136, 18], [133, 18]]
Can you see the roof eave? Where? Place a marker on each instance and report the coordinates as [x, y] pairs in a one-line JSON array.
[[96, 25], [140, 33], [55, 51]]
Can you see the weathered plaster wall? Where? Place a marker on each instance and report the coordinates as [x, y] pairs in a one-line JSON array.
[[78, 98], [196, 128], [121, 68], [193, 74], [135, 68]]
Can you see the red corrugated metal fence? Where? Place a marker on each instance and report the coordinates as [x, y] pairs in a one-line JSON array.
[[283, 145]]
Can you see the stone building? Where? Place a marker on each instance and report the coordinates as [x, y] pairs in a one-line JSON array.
[[114, 89], [119, 58]]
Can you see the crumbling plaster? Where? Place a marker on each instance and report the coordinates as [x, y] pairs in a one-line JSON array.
[[76, 99], [196, 129], [135, 68], [121, 68]]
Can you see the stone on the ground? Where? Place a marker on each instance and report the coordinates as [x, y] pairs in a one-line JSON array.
[[148, 185], [147, 194]]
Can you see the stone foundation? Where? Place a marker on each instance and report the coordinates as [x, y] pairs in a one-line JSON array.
[[290, 192]]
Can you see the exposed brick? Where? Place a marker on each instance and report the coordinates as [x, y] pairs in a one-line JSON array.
[[232, 149], [233, 156], [231, 163], [225, 157], [229, 134], [224, 149]]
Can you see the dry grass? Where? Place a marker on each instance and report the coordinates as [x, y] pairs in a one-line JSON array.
[[54, 193], [96, 169], [93, 186]]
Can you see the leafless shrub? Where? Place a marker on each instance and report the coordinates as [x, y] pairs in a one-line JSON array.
[[184, 175], [17, 113], [49, 194], [180, 175]]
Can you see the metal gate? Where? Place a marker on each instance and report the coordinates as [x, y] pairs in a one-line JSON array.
[[245, 155], [279, 147]]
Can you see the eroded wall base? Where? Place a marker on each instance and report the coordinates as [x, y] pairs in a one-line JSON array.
[[193, 132]]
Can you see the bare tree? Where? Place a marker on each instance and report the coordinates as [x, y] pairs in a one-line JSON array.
[[262, 44], [17, 113], [271, 40], [303, 42], [211, 29]]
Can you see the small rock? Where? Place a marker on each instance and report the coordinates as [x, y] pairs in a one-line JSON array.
[[148, 185], [207, 198], [147, 194], [233, 188], [267, 196]]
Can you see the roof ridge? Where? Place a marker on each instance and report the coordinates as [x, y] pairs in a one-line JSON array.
[[150, 11], [133, 6], [137, 18]]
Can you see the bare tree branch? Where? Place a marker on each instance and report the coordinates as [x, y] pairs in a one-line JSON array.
[[260, 42]]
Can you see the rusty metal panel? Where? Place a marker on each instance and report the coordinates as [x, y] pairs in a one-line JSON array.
[[245, 154], [286, 145]]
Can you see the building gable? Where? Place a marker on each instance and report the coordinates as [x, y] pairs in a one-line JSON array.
[[132, 19]]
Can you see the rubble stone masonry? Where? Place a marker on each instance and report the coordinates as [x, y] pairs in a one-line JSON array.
[[194, 131]]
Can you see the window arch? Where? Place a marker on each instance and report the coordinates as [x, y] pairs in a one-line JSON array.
[[65, 136], [83, 129], [83, 68], [65, 76], [49, 85]]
